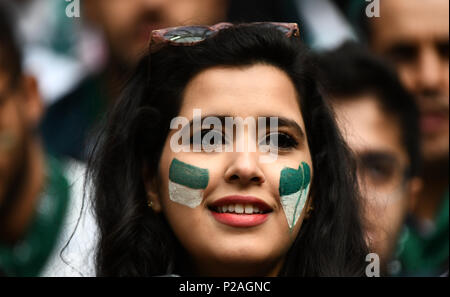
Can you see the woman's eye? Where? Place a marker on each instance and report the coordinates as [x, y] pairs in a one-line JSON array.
[[280, 141]]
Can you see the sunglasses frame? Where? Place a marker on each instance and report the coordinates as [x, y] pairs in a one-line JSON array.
[[158, 40]]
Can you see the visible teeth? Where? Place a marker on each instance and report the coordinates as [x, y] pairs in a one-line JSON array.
[[239, 208]]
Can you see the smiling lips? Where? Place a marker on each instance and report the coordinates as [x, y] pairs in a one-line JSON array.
[[240, 211]]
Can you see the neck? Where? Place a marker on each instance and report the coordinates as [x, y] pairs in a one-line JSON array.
[[238, 270], [14, 224], [435, 183]]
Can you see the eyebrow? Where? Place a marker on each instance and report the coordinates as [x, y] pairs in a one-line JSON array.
[[282, 122], [375, 155], [285, 122]]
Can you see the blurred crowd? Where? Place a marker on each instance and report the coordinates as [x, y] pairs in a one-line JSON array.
[[385, 70]]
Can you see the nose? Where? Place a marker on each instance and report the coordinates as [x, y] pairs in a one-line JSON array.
[[429, 69], [244, 169]]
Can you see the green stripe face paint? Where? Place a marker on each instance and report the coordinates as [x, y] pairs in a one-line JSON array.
[[186, 183], [294, 189]]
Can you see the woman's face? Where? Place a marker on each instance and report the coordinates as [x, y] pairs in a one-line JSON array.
[[234, 214]]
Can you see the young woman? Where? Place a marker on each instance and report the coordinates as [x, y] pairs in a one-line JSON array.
[[218, 212]]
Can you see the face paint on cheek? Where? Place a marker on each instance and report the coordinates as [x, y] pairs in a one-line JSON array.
[[187, 183], [294, 189]]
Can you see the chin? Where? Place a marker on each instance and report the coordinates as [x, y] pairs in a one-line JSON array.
[[247, 255], [435, 156], [234, 260]]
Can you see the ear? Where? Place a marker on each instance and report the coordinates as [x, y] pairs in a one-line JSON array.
[[151, 188], [32, 104], [415, 186]]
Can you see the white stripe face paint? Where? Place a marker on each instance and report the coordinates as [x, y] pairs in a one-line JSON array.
[[185, 195], [294, 190], [292, 210]]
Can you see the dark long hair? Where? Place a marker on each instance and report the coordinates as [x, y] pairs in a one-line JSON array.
[[135, 241]]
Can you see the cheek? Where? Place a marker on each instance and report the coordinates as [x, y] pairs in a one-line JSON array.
[[396, 213], [12, 144], [407, 76], [181, 193], [8, 141], [9, 153], [445, 76], [11, 132]]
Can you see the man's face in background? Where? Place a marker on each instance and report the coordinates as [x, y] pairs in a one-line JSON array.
[[414, 35], [127, 24], [13, 136], [376, 140]]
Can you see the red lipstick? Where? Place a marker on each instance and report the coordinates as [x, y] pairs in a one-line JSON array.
[[240, 211]]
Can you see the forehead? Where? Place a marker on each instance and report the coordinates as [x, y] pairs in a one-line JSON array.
[[257, 90], [367, 128], [410, 20]]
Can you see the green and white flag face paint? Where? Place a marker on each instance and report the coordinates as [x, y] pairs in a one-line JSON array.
[[187, 183], [294, 189]]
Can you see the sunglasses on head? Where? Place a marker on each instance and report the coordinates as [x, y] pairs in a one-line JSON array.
[[191, 35]]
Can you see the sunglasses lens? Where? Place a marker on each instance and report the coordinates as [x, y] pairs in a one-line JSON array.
[[283, 29], [188, 34]]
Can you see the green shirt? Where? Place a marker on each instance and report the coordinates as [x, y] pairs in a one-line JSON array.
[[66, 128], [426, 254], [28, 256]]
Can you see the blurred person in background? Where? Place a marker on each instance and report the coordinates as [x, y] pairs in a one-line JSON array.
[[414, 36], [35, 188], [125, 26], [379, 121], [51, 43], [324, 25]]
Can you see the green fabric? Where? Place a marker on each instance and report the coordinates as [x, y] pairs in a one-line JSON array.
[[355, 9], [28, 257], [427, 255], [67, 125]]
